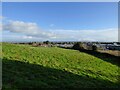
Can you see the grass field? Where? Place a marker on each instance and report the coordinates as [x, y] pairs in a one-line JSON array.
[[25, 66]]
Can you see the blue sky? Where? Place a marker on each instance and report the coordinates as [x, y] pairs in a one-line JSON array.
[[92, 21]]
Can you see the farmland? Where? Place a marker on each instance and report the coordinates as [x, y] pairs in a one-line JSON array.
[[25, 66]]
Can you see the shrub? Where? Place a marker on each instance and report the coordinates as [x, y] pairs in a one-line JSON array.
[[34, 44], [46, 42], [78, 46], [94, 48]]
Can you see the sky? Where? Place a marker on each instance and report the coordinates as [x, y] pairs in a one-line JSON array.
[[60, 21]]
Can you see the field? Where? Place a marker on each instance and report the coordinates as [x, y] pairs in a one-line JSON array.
[[25, 66]]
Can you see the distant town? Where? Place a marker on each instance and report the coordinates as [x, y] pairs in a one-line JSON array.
[[86, 45]]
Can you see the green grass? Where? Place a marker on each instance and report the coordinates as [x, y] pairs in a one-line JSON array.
[[51, 67]]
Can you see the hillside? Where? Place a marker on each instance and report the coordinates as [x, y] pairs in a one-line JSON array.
[[51, 67]]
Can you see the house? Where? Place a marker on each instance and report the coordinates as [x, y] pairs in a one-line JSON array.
[[113, 46]]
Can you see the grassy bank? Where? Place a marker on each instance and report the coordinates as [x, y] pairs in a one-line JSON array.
[[50, 67]]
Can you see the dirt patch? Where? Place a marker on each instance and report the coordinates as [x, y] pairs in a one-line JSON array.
[[112, 52]]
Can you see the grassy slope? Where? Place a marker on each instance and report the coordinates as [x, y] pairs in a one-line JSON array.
[[26, 66]]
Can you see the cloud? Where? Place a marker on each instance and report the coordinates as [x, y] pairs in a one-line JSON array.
[[27, 28], [52, 25], [31, 31], [1, 17], [0, 28], [13, 37], [87, 35]]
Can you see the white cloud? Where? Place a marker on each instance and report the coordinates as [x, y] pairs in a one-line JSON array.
[[27, 37], [31, 31], [1, 17], [88, 35], [0, 26], [52, 25]]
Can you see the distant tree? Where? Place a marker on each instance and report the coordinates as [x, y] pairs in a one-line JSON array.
[[94, 48], [52, 42], [78, 46], [46, 42]]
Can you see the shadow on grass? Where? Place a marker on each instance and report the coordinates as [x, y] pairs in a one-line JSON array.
[[104, 56], [17, 74]]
